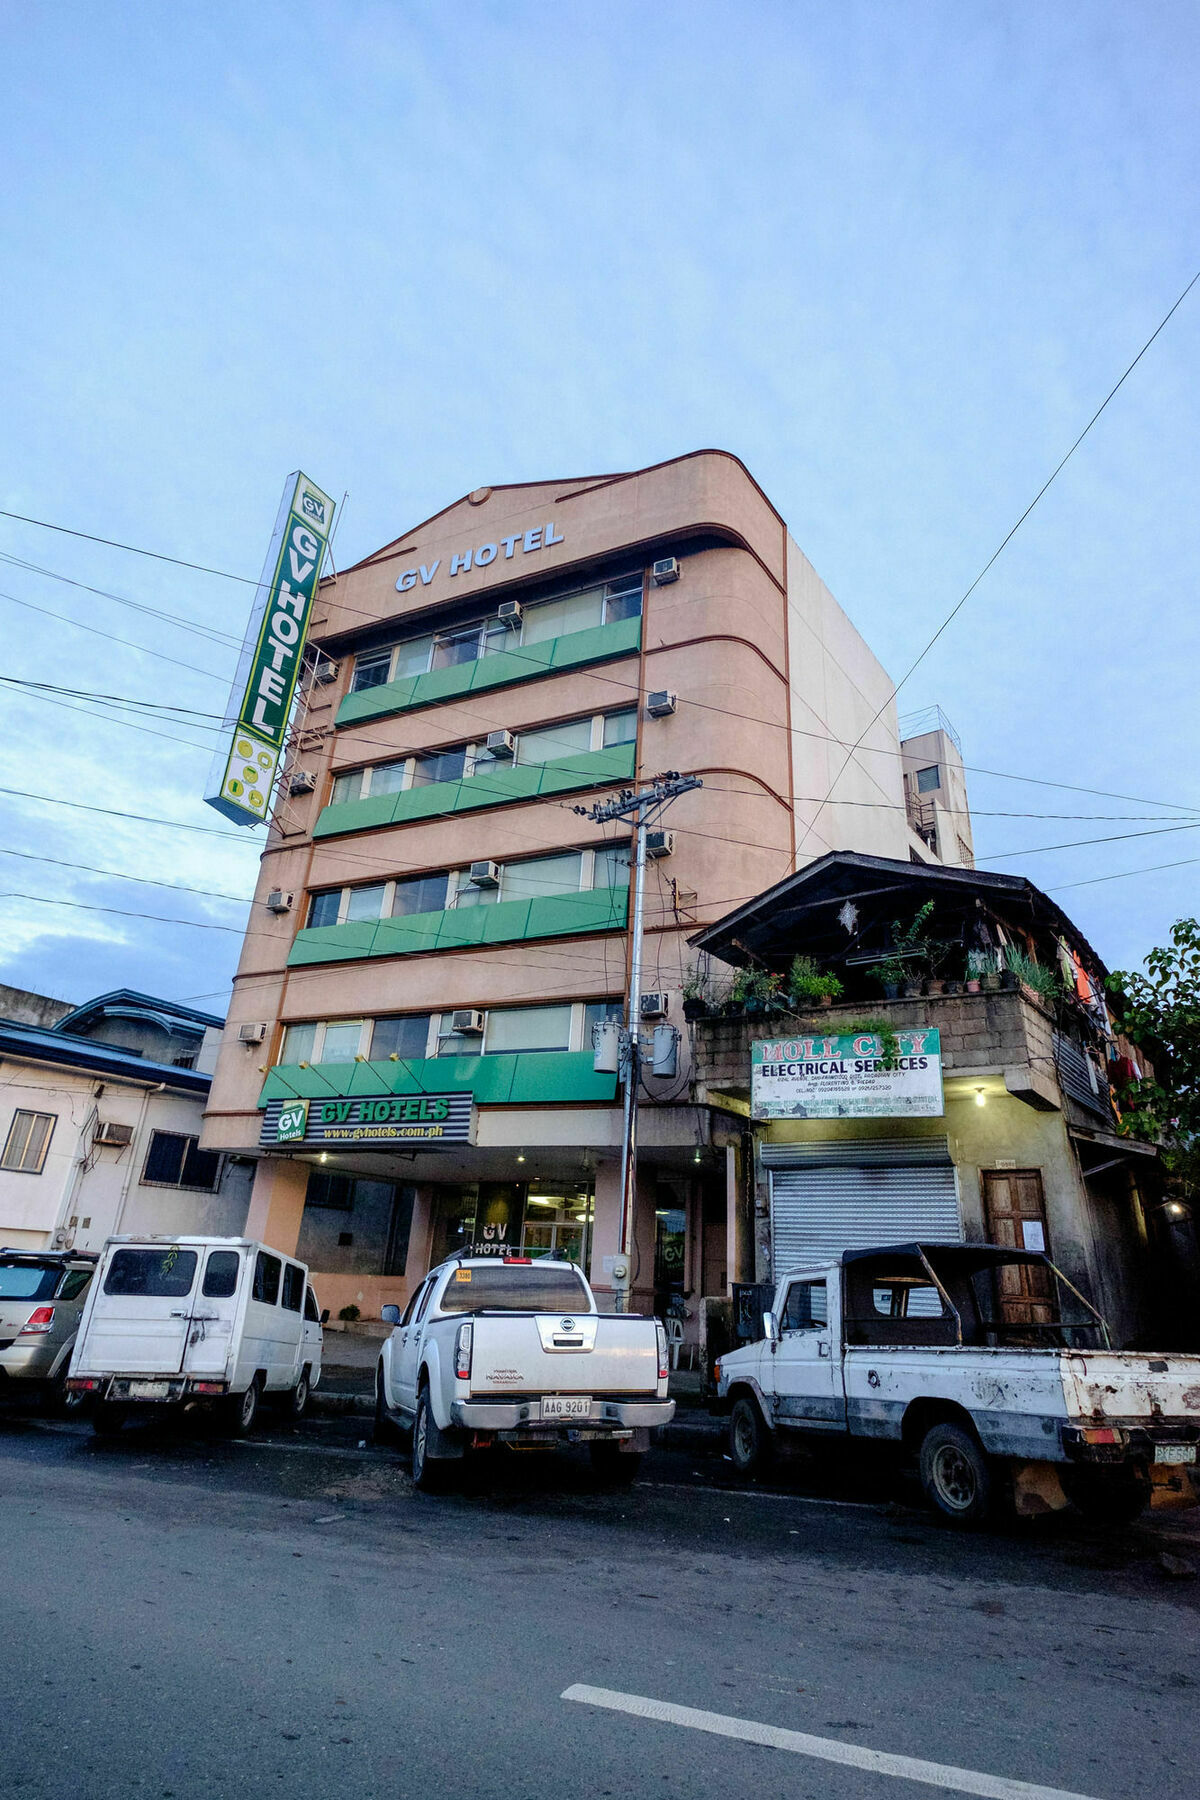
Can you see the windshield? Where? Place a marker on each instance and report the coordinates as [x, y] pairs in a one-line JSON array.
[[28, 1281], [515, 1288]]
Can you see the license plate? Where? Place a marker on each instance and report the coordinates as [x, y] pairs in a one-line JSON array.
[[566, 1406], [149, 1390], [1174, 1453]]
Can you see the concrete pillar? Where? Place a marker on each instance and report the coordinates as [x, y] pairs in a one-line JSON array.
[[277, 1203], [606, 1225]]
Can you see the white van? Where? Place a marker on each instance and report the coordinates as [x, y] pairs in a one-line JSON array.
[[217, 1322]]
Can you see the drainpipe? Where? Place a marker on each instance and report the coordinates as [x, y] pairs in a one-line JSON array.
[[134, 1148]]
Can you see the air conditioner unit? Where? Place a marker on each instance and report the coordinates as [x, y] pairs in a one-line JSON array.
[[484, 874], [656, 1006], [301, 781], [660, 704], [325, 672], [468, 1021], [251, 1034], [280, 902], [660, 843], [501, 743], [509, 614], [665, 570], [118, 1136]]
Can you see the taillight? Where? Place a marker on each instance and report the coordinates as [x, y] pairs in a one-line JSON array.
[[664, 1361], [462, 1351], [523, 1260], [39, 1320]]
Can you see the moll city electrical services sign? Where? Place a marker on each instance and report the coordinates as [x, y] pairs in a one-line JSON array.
[[257, 715], [410, 1121], [847, 1077]]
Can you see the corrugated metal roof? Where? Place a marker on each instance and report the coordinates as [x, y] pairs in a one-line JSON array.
[[66, 1050]]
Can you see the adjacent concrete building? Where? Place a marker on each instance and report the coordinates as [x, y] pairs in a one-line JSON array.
[[437, 927]]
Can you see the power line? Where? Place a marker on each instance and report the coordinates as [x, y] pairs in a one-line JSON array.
[[142, 649], [175, 887], [1005, 541], [213, 632], [134, 549], [138, 818], [154, 706], [1124, 874]]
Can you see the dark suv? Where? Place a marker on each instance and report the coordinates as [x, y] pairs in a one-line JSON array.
[[41, 1299]]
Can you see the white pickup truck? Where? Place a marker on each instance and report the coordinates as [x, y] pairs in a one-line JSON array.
[[514, 1351], [962, 1356]]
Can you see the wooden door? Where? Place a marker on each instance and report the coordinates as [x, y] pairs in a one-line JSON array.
[[1015, 1209]]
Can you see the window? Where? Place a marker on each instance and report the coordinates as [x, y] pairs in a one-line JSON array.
[[266, 1278], [366, 902], [73, 1284], [554, 741], [151, 1274], [220, 1274], [424, 1301], [595, 1012], [323, 909], [28, 1141], [610, 867], [929, 779], [411, 1307], [419, 894], [340, 1042], [621, 599], [299, 1042], [528, 1028], [326, 1188], [466, 643], [384, 778], [620, 728], [540, 875], [311, 1310], [439, 765], [407, 1037], [28, 1281], [347, 787], [806, 1308], [515, 1290], [293, 1287], [907, 1300], [371, 670], [175, 1160]]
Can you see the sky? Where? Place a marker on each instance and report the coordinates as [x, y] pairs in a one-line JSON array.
[[892, 256]]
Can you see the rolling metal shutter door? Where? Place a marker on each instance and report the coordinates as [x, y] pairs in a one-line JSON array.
[[826, 1198]]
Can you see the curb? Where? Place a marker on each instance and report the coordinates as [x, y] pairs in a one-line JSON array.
[[695, 1431]]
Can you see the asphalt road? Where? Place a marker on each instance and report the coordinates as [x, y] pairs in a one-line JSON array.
[[184, 1618]]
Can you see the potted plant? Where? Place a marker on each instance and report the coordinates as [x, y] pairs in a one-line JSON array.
[[889, 974], [808, 984], [1028, 972], [756, 990], [697, 995], [909, 950]]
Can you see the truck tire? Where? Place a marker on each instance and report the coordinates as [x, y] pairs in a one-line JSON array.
[[107, 1419], [1109, 1496], [956, 1474], [297, 1400], [613, 1466], [749, 1438], [430, 1474], [241, 1410]]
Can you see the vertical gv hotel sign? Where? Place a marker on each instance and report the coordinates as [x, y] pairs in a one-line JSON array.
[[256, 717]]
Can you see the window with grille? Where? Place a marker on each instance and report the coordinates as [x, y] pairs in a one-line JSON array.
[[27, 1142]]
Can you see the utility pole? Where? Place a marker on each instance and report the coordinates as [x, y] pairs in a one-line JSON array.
[[641, 808]]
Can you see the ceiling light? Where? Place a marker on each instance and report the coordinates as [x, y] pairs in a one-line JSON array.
[[696, 1157], [980, 1097], [324, 1156], [520, 1156]]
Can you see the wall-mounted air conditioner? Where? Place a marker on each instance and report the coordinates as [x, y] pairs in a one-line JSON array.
[[484, 874], [661, 704], [667, 569], [301, 781], [509, 614], [279, 901], [468, 1021], [656, 1006], [118, 1137], [660, 843], [501, 744], [325, 672], [251, 1034]]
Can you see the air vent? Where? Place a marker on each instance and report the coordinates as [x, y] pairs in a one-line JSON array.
[[501, 743], [484, 874], [280, 902], [665, 570], [251, 1034], [118, 1136], [655, 1006], [468, 1021], [660, 704], [660, 843], [301, 781], [509, 614]]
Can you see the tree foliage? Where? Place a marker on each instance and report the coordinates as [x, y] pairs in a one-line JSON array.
[[1160, 1011]]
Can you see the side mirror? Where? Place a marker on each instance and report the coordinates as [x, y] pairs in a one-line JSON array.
[[390, 1315], [770, 1328], [324, 1315]]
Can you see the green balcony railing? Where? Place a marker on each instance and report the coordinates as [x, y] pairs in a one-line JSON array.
[[534, 1077], [458, 928], [504, 667], [499, 784]]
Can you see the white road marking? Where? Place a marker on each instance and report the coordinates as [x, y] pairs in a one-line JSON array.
[[854, 1756], [689, 1487]]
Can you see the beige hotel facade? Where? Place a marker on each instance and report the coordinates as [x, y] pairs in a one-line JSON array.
[[435, 918]]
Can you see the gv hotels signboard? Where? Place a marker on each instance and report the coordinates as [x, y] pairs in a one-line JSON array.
[[847, 1077], [256, 717], [383, 1122]]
